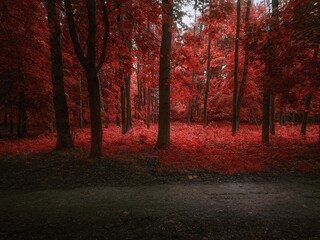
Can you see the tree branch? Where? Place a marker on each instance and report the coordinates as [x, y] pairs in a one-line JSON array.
[[73, 33]]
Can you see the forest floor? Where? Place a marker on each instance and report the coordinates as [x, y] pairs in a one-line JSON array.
[[56, 196], [208, 185]]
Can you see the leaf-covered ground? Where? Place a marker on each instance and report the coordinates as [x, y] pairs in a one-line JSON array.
[[194, 148]]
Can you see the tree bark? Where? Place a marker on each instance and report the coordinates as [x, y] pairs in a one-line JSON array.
[[148, 108], [163, 140], [272, 116], [245, 66], [265, 115], [5, 120], [128, 103], [236, 65], [91, 64], [64, 140], [205, 112], [123, 109], [305, 115]]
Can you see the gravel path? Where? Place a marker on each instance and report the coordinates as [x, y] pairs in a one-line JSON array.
[[287, 209]]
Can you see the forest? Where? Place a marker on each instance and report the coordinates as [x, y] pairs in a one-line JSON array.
[[164, 89], [248, 72]]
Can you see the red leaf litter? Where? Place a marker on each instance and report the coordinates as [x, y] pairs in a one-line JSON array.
[[194, 148]]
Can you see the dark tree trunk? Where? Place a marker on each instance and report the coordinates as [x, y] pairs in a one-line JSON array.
[[305, 115], [236, 65], [91, 64], [205, 104], [148, 108], [163, 140], [123, 109], [95, 115], [128, 103], [139, 86], [80, 104], [22, 116], [5, 120], [272, 116], [265, 115], [245, 66], [11, 125], [64, 140]]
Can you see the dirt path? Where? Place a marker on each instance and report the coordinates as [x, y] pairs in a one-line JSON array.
[[287, 209]]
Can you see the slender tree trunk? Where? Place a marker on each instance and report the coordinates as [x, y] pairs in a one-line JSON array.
[[242, 88], [306, 114], [128, 103], [139, 86], [5, 120], [163, 140], [236, 65], [265, 115], [22, 116], [64, 140], [11, 125], [245, 66], [123, 109], [80, 103], [148, 110], [205, 111], [272, 116]]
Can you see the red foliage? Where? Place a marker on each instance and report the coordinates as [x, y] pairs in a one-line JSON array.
[[196, 148]]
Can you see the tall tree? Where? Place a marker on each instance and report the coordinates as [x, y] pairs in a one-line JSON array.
[[236, 65], [64, 140], [205, 111], [90, 64], [163, 140], [245, 66]]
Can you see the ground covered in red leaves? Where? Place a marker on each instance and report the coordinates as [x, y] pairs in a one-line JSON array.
[[194, 148]]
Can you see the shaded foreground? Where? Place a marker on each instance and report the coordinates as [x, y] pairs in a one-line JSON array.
[[53, 196]]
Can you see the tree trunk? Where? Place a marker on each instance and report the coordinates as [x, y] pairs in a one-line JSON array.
[[265, 115], [163, 140], [305, 116], [139, 86], [205, 111], [123, 109], [272, 116], [22, 116], [11, 125], [5, 120], [245, 66], [236, 65], [80, 103], [128, 103], [95, 115], [148, 110], [64, 140], [91, 63]]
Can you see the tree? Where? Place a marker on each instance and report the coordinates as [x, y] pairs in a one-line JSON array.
[[163, 140], [245, 66], [205, 112], [64, 140], [90, 64], [236, 65]]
